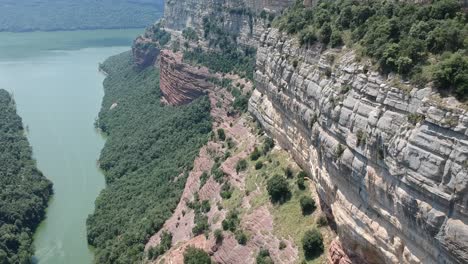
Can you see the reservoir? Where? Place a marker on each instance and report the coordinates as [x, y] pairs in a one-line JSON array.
[[55, 81]]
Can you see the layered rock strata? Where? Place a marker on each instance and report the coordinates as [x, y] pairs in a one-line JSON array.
[[181, 83], [388, 159]]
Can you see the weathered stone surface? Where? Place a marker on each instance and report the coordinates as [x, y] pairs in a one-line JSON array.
[[396, 184]]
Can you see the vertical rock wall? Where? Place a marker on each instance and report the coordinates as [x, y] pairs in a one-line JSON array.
[[389, 160]]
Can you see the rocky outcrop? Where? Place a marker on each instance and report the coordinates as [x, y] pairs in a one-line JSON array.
[[145, 52], [388, 159], [181, 83]]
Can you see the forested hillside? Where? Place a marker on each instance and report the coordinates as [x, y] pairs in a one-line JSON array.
[[422, 43], [149, 150], [24, 191], [47, 15]]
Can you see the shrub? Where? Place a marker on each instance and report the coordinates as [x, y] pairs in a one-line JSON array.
[[218, 234], [277, 188], [361, 137], [335, 39], [307, 204], [312, 243], [241, 237], [268, 144], [258, 165], [203, 178], [164, 245], [263, 257], [300, 183], [194, 255], [255, 154], [288, 172], [325, 33], [221, 134], [322, 220], [452, 74], [190, 34], [339, 151], [282, 245], [201, 224], [226, 191], [241, 165], [232, 221]]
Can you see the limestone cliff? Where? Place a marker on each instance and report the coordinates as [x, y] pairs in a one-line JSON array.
[[389, 160]]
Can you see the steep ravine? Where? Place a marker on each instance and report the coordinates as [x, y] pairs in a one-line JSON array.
[[388, 160]]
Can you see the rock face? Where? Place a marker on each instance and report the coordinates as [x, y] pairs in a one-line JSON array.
[[180, 14], [181, 83], [144, 52], [389, 160]]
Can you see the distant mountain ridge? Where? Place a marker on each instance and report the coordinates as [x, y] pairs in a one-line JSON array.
[[53, 15]]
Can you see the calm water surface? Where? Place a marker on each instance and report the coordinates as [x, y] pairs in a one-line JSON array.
[[55, 81]]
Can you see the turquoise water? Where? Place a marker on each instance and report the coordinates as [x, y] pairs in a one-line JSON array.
[[55, 81]]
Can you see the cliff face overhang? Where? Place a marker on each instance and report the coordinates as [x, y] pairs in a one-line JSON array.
[[180, 82], [391, 164], [145, 52]]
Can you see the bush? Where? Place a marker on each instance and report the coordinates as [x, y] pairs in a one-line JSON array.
[[226, 191], [452, 74], [335, 39], [255, 154], [201, 225], [241, 237], [231, 222], [258, 165], [263, 257], [282, 245], [241, 165], [221, 134], [288, 172], [194, 255], [300, 183], [164, 245], [325, 33], [277, 188], [268, 144], [307, 204], [312, 243], [322, 220], [218, 234]]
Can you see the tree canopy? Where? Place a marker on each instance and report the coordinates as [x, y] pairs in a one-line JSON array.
[[24, 191], [149, 151], [402, 37]]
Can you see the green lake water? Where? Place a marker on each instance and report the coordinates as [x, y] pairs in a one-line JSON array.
[[55, 81]]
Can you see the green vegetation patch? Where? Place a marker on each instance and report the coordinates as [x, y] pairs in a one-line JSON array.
[[149, 150], [24, 191], [421, 42]]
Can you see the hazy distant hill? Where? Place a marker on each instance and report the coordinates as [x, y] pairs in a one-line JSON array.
[[47, 15]]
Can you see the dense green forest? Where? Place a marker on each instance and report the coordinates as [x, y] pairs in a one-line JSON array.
[[48, 15], [149, 150], [421, 42], [24, 191]]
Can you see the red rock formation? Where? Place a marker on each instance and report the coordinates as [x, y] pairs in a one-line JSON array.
[[181, 83], [145, 52], [336, 254]]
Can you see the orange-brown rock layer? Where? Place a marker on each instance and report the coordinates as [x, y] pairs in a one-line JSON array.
[[180, 82]]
